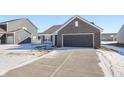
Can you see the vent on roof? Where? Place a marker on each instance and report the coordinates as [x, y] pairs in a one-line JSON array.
[[92, 23]]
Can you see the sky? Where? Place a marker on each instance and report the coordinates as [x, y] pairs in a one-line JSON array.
[[110, 23]]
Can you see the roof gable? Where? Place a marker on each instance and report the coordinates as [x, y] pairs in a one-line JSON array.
[[121, 29], [82, 19], [52, 29], [18, 20]]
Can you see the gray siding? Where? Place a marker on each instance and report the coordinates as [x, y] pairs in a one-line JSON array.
[[82, 28], [120, 35], [21, 36], [18, 24]]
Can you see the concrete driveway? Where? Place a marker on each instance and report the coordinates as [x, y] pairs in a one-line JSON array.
[[66, 62]]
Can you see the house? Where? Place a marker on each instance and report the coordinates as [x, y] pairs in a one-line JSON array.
[[46, 36], [18, 31], [76, 32], [120, 35], [109, 37]]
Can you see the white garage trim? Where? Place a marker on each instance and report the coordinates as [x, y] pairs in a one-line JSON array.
[[78, 34]]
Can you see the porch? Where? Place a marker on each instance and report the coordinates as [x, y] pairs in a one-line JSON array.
[[49, 39]]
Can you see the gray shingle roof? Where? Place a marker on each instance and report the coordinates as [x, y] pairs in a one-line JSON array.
[[56, 27], [52, 29]]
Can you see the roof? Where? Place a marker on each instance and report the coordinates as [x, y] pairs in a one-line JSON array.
[[19, 30], [3, 31], [17, 20], [84, 20], [109, 33], [57, 28], [52, 29], [121, 30]]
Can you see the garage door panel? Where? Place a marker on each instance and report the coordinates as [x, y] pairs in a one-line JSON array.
[[78, 40], [10, 39]]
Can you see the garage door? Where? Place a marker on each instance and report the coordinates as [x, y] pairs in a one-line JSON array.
[[84, 40], [10, 39]]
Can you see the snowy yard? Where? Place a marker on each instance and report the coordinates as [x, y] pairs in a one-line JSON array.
[[120, 50], [112, 62], [12, 56]]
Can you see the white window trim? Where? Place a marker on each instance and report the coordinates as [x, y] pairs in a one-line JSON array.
[[76, 23], [79, 34]]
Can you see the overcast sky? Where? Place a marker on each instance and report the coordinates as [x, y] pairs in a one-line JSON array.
[[108, 23]]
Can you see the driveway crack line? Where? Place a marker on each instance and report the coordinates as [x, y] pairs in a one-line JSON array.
[[57, 69]]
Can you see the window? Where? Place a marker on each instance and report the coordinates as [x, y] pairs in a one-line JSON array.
[[34, 37], [48, 38], [76, 23]]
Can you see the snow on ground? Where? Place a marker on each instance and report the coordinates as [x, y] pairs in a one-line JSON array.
[[112, 63], [12, 56], [108, 42], [120, 50], [22, 47], [8, 62]]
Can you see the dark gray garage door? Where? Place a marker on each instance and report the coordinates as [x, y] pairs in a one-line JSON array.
[[78, 40]]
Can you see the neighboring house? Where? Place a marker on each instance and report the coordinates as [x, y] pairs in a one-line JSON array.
[[18, 31], [120, 35], [76, 32], [109, 37]]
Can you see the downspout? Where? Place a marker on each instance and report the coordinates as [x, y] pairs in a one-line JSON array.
[[14, 38], [6, 32], [7, 27], [53, 38], [101, 38]]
